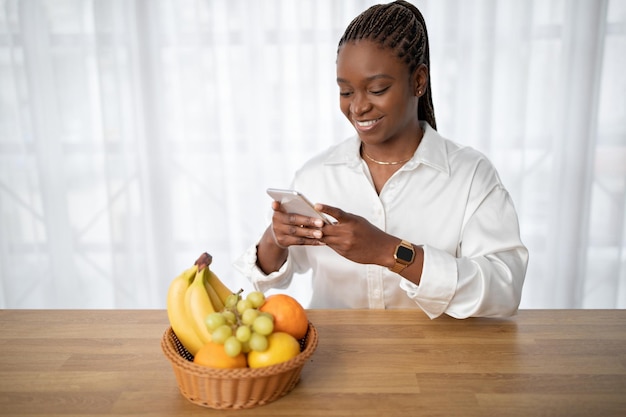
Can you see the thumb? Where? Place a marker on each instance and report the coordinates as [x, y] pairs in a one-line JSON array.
[[333, 212]]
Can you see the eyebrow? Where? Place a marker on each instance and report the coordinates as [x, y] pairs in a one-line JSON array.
[[372, 78]]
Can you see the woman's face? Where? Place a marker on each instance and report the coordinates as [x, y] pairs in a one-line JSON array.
[[378, 95]]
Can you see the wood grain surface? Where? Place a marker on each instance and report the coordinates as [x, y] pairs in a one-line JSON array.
[[368, 363]]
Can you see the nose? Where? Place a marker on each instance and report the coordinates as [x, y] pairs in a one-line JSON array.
[[359, 104]]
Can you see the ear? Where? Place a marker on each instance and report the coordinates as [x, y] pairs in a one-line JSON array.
[[420, 80]]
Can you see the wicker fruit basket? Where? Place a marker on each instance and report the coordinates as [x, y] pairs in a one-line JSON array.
[[235, 388]]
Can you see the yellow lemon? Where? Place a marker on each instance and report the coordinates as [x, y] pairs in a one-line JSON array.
[[281, 347]]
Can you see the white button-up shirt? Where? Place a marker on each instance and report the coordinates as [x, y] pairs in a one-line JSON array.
[[447, 198]]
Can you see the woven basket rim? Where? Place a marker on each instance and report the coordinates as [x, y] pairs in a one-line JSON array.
[[189, 367]]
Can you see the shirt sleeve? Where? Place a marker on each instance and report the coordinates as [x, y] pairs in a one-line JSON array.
[[486, 277], [247, 265], [433, 296]]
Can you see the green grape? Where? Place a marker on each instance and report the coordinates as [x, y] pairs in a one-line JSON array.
[[258, 342], [248, 316], [214, 320], [257, 298], [243, 305], [231, 301], [229, 316], [243, 333], [263, 325], [268, 315], [232, 346], [222, 333]]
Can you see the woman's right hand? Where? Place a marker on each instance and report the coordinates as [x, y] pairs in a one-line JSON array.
[[285, 230], [289, 229]]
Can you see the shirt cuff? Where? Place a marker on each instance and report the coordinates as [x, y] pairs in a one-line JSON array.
[[438, 282], [246, 264]]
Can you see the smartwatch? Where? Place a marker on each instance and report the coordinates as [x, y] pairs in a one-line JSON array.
[[404, 256]]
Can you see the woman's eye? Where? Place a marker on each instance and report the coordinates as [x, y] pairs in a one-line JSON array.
[[378, 91], [345, 93]]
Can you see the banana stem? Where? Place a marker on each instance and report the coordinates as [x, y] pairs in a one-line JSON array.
[[203, 261]]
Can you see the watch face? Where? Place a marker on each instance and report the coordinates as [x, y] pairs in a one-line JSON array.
[[404, 253]]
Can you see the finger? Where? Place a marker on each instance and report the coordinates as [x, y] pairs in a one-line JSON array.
[[294, 219], [303, 241], [334, 212], [304, 232], [288, 235], [304, 221], [276, 206]]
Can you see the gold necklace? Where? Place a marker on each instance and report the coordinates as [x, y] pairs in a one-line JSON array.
[[383, 162]]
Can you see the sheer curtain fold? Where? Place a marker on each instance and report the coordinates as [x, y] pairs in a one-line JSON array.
[[136, 134], [576, 124]]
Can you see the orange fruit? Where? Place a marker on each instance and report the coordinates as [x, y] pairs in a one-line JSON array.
[[289, 315], [281, 347], [214, 356]]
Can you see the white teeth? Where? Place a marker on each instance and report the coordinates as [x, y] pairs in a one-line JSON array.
[[366, 122]]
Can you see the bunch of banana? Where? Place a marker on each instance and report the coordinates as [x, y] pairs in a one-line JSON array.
[[191, 297]]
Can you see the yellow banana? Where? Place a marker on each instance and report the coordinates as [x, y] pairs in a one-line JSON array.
[[176, 310], [222, 290], [198, 305], [218, 305]]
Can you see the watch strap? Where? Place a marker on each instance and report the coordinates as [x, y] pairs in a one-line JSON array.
[[398, 267]]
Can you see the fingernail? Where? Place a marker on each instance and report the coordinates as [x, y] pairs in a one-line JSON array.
[[317, 234], [319, 223]]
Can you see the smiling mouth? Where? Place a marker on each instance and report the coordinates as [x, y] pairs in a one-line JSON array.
[[366, 123]]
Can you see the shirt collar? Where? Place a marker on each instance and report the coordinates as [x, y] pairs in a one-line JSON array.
[[431, 152]]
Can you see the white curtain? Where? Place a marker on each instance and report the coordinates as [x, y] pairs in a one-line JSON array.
[[135, 135]]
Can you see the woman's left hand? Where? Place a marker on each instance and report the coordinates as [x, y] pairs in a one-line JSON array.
[[355, 238]]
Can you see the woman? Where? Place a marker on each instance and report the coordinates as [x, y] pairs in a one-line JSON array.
[[420, 221]]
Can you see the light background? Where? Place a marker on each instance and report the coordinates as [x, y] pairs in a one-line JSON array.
[[135, 135]]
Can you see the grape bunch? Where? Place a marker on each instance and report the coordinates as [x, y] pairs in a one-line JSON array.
[[240, 326]]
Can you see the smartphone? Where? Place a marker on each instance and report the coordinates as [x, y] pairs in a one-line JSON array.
[[295, 202]]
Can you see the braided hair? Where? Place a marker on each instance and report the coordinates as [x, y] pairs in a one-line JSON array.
[[401, 27]]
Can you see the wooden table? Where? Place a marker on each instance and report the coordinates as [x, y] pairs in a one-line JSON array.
[[368, 363]]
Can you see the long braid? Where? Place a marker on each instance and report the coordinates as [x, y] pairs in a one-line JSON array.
[[399, 26]]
